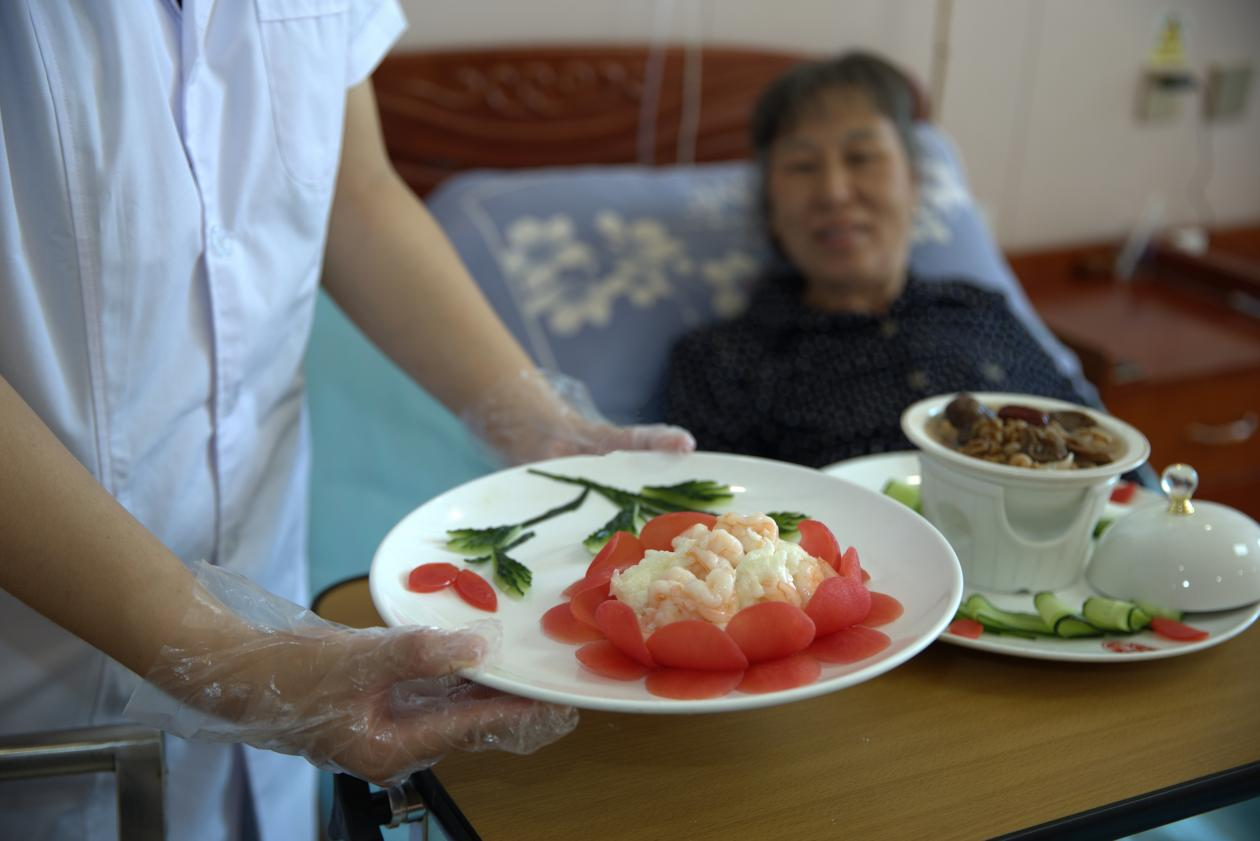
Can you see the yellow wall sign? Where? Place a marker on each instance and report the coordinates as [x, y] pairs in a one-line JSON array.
[[1170, 46]]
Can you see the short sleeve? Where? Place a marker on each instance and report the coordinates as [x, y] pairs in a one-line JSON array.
[[374, 27]]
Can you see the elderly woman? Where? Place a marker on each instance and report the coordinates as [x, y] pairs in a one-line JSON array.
[[840, 338]]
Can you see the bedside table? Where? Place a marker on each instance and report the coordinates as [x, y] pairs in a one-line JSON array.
[[1175, 350]]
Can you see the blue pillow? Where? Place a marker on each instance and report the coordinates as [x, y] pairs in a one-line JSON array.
[[598, 270]]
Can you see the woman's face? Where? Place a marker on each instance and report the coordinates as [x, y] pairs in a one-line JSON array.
[[841, 195]]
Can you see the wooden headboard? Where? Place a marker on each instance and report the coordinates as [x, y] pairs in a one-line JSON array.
[[519, 107]]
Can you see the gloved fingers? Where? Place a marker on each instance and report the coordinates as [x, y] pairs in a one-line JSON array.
[[477, 720], [545, 414], [428, 652], [657, 436]]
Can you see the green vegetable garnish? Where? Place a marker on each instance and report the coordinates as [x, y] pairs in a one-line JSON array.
[[649, 505], [787, 521], [1102, 525], [694, 494], [905, 493], [481, 541], [512, 576], [626, 519]]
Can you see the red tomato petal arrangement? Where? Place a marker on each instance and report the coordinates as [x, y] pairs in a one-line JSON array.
[[766, 647]]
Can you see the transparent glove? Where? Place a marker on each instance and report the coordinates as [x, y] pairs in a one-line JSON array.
[[544, 414], [379, 703]]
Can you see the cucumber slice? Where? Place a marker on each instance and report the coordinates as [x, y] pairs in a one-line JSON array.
[[905, 493], [1051, 607], [1072, 627], [1055, 612], [1114, 615], [1155, 610], [983, 611]]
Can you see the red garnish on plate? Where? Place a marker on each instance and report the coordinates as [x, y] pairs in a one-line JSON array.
[[475, 590], [561, 625], [884, 609], [969, 628], [607, 660], [817, 540], [659, 532], [838, 603], [692, 684], [849, 645], [770, 630], [1174, 630], [777, 675], [695, 644], [429, 578], [1122, 493], [1125, 646]]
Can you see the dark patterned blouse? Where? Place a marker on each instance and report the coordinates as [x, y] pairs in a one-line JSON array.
[[787, 382]]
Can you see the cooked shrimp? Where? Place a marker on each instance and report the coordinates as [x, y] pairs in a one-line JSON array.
[[713, 573], [679, 594], [752, 530]]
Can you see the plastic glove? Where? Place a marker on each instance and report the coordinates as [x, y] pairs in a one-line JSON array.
[[379, 703], [543, 414]]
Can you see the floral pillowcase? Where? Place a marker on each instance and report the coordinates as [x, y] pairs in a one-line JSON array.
[[598, 270]]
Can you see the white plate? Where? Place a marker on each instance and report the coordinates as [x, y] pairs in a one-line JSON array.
[[906, 558], [873, 471]]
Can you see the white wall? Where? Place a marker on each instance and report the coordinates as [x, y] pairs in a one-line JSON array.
[[1040, 94]]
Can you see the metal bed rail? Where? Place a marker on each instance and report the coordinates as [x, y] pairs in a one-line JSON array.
[[133, 754]]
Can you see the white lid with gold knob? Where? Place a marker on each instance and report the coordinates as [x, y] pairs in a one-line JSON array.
[[1193, 556]]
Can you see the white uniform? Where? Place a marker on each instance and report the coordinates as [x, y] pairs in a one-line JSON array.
[[165, 180]]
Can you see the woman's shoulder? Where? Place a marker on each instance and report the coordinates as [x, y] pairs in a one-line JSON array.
[[951, 290]]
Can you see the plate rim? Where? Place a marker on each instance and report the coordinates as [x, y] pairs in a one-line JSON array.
[[1015, 647], [951, 596]]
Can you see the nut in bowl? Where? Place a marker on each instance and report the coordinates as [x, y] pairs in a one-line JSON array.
[[1016, 482]]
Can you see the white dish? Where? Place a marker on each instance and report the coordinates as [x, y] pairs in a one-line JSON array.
[[873, 471], [1015, 527], [905, 556]]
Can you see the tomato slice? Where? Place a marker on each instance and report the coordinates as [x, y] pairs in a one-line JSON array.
[[429, 578], [605, 659], [969, 628], [475, 590], [817, 540], [561, 625], [587, 600], [617, 622], [692, 684], [1123, 492], [659, 532], [777, 675], [695, 644], [770, 630], [622, 551], [850, 566], [849, 645], [1175, 630], [884, 609], [838, 603]]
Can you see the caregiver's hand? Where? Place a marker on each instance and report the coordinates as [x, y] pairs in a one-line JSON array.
[[541, 415], [378, 703]]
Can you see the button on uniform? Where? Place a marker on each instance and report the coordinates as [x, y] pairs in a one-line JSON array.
[[221, 242]]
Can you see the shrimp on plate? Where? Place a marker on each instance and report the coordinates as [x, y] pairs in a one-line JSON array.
[[713, 573]]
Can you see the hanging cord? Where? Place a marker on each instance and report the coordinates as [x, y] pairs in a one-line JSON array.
[[1201, 176], [693, 61], [650, 104], [940, 57]]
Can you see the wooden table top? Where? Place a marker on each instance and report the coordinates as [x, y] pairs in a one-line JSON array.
[[955, 743]]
